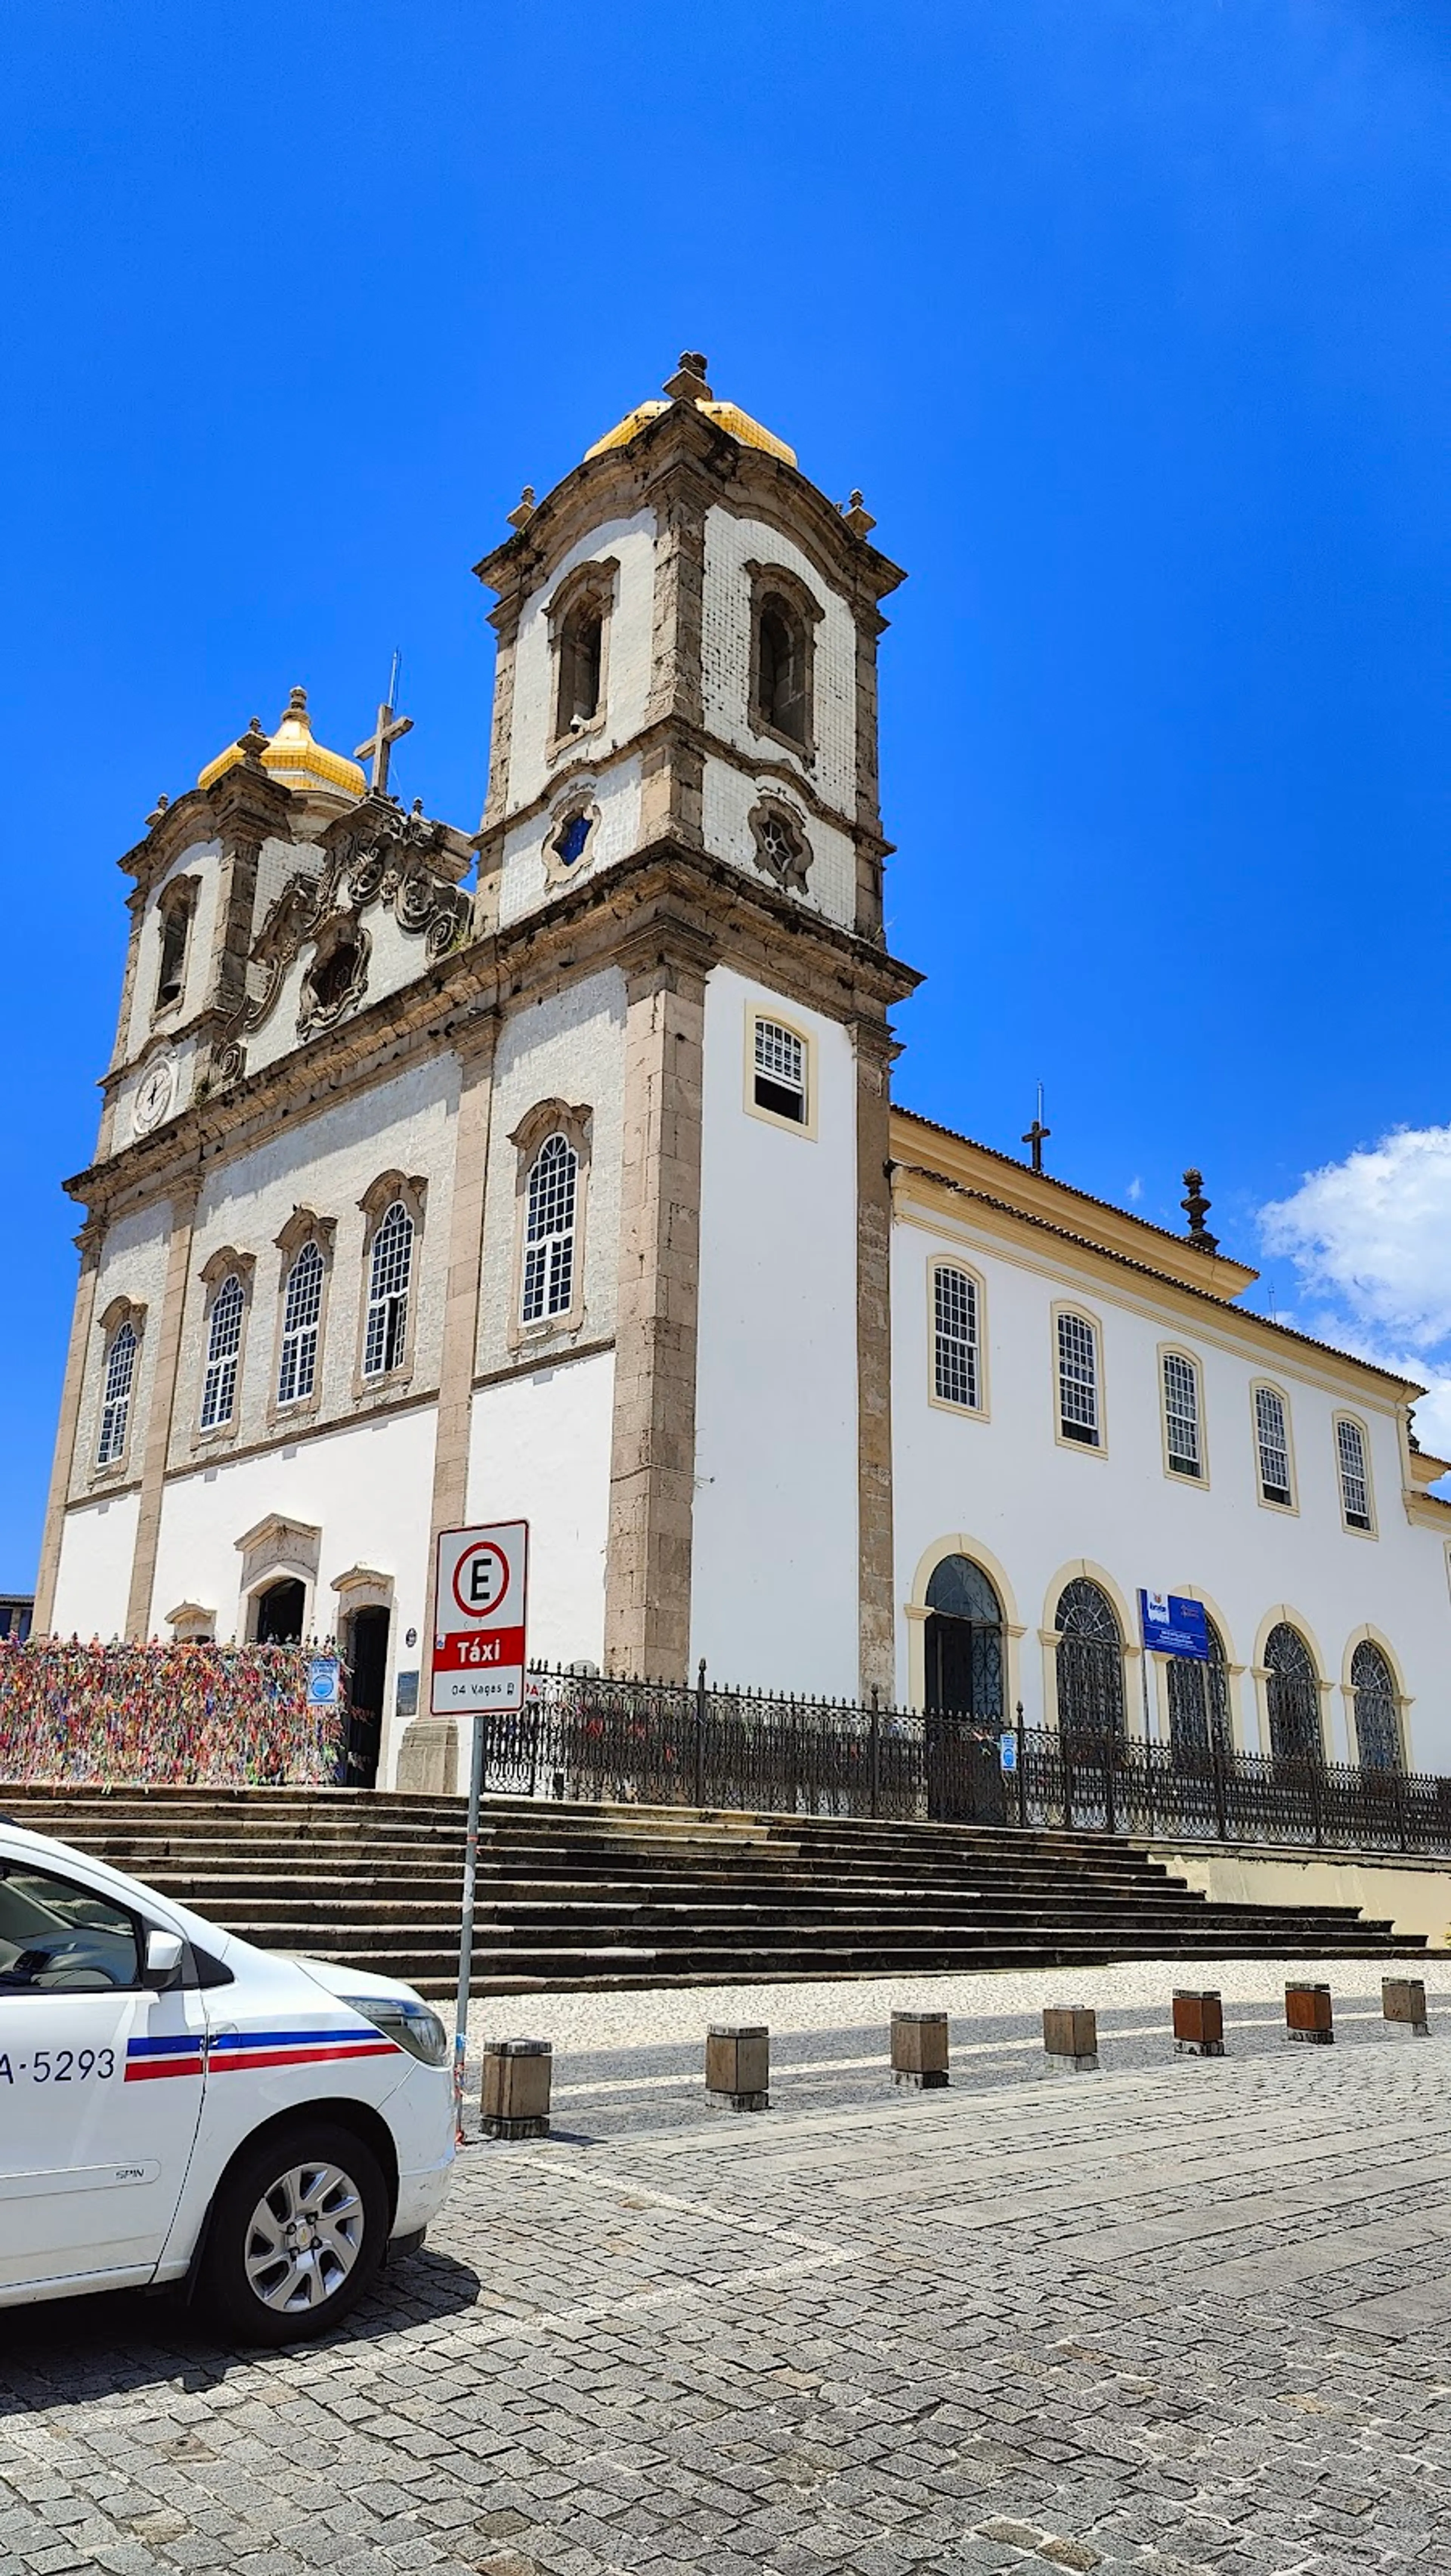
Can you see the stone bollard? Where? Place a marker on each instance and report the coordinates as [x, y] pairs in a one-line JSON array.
[[1198, 2022], [1308, 2014], [738, 2066], [1070, 2036], [919, 2049], [1403, 2001], [517, 2075]]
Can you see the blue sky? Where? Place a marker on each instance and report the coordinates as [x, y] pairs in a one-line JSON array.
[[1130, 319]]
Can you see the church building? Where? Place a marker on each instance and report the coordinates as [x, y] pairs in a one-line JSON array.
[[554, 1171]]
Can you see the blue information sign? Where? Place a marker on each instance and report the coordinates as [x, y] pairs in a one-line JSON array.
[[1173, 1626], [322, 1681], [1008, 1749]]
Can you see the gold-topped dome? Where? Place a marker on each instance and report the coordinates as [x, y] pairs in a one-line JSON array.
[[690, 386], [293, 758]]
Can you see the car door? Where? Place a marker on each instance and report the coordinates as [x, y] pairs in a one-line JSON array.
[[100, 2083]]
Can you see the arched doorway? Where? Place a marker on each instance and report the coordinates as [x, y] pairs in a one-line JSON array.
[[1377, 1710], [1292, 1697], [964, 1694], [1090, 1662], [1199, 1719], [366, 1649], [281, 1610]]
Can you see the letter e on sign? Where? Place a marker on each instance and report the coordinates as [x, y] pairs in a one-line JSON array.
[[478, 1646]]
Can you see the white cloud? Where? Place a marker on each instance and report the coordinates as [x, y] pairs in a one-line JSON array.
[[1135, 1188], [1370, 1239]]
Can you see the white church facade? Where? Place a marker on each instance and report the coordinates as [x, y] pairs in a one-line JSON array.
[[579, 1194]]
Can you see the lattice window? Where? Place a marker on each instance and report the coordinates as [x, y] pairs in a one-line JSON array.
[[1354, 1474], [1273, 1437], [1292, 1692], [549, 1222], [1181, 1415], [387, 1327], [1377, 1710], [1078, 1380], [780, 1071], [1090, 1661], [219, 1384], [956, 1375], [1199, 1716], [116, 1395], [301, 1318]]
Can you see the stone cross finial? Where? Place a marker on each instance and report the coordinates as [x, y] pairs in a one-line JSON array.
[[689, 385], [523, 510], [1196, 1207], [858, 519], [379, 746], [1037, 1134]]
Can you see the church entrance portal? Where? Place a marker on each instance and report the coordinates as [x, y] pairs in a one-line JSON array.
[[367, 1654], [280, 1613], [964, 1695]]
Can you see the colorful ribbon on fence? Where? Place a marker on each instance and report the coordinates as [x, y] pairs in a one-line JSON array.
[[223, 1716]]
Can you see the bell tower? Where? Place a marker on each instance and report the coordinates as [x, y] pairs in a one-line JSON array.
[[687, 652]]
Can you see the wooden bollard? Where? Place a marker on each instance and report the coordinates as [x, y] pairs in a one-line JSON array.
[[919, 2049], [1403, 2002], [1308, 2014], [517, 2076], [738, 2066], [1070, 2036], [1198, 2022]]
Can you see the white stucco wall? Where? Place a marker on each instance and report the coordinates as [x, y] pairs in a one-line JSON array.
[[631, 542], [94, 1579], [540, 1451], [568, 1047], [1032, 1508], [732, 542], [774, 1591], [201, 860]]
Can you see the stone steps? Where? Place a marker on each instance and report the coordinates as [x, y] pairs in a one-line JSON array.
[[605, 1897]]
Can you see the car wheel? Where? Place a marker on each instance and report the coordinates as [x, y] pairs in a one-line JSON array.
[[298, 2231]]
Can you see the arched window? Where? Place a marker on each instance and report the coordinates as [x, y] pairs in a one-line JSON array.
[[1272, 1437], [116, 1394], [1199, 1716], [385, 1338], [177, 907], [1078, 1410], [301, 1316], [548, 1274], [956, 1357], [1090, 1661], [224, 1342], [781, 654], [1292, 1694], [1182, 1443], [1377, 1709], [581, 664], [964, 1642], [1354, 1473]]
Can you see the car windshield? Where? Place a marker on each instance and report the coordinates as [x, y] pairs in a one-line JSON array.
[[54, 1933]]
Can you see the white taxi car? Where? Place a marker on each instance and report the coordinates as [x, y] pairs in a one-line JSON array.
[[177, 2106]]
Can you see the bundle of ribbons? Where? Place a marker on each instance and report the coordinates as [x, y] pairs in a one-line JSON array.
[[104, 1712]]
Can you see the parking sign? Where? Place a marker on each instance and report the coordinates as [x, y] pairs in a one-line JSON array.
[[479, 1621]]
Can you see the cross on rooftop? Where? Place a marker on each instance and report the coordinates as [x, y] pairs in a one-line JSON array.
[[388, 730]]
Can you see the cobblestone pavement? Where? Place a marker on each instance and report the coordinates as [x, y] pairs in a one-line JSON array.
[[1182, 2316]]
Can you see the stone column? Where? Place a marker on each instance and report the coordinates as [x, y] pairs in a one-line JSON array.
[[652, 1462], [876, 1570], [89, 1241], [158, 1420], [428, 1755], [672, 788]]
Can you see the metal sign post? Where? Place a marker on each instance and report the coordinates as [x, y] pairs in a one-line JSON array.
[[477, 1671]]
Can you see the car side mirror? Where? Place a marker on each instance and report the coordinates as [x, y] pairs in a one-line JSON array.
[[164, 1953]]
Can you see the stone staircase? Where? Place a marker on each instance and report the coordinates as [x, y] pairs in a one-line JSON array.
[[643, 1896]]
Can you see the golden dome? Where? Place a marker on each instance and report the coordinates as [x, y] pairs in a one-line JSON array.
[[293, 758], [690, 385]]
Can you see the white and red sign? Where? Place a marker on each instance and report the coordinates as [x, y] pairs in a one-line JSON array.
[[478, 1641]]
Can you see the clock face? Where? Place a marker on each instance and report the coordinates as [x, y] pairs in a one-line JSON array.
[[153, 1099]]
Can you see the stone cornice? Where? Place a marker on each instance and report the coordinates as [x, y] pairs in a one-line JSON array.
[[677, 890], [682, 439]]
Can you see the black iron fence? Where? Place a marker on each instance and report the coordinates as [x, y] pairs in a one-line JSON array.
[[586, 1736]]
